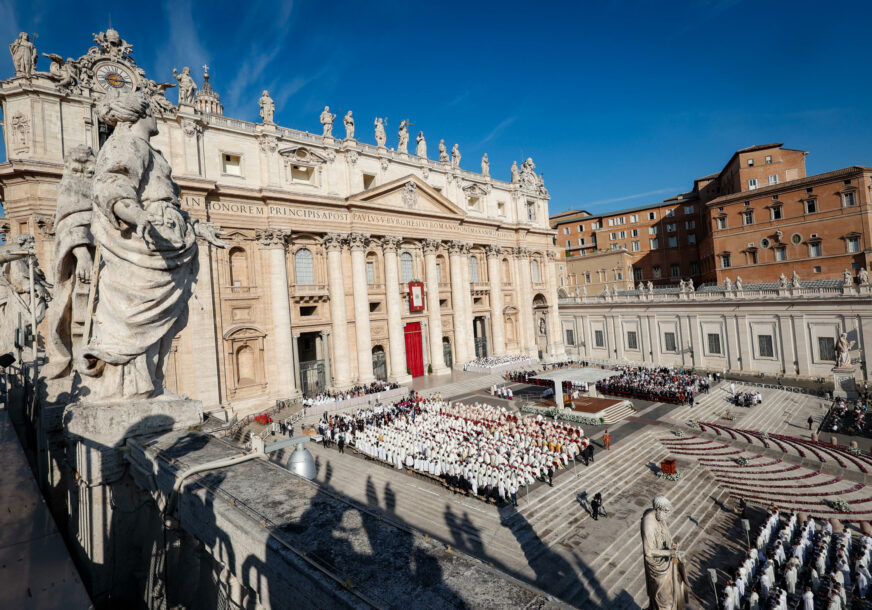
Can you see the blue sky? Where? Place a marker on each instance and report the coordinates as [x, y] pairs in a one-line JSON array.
[[619, 103]]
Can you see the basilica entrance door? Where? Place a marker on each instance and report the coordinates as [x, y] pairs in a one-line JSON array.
[[414, 349]]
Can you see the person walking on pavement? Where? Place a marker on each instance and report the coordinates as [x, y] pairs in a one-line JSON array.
[[551, 476], [595, 506], [341, 443], [513, 494], [607, 439], [810, 422]]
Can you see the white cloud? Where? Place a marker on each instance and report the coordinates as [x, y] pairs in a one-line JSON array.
[[628, 197], [9, 27], [183, 46], [498, 129]]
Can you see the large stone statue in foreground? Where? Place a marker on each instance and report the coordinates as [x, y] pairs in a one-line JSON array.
[[664, 570], [148, 251], [15, 289]]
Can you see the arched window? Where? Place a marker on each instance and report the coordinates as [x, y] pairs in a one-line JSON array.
[[534, 266], [246, 371], [304, 267], [406, 271], [473, 269], [238, 267]]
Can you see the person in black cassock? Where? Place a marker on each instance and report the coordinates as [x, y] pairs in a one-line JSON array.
[[595, 505]]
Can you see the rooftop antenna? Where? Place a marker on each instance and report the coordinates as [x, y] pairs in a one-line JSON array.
[[110, 21]]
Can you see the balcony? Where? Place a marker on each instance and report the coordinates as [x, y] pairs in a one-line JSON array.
[[308, 289], [242, 291]]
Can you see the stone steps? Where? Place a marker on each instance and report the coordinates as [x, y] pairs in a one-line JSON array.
[[618, 412]]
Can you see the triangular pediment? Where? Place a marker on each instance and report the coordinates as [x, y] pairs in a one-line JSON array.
[[409, 193]]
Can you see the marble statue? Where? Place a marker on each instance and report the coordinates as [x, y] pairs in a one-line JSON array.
[[843, 351], [63, 71], [847, 278], [650, 287], [73, 258], [327, 119], [267, 108], [15, 288], [421, 148], [485, 165], [380, 135], [24, 56], [349, 126], [640, 287], [795, 281], [516, 173], [738, 283], [863, 276], [584, 291], [403, 141], [782, 280], [187, 86], [728, 284], [148, 251], [455, 155], [665, 578], [443, 152], [682, 288], [690, 287]]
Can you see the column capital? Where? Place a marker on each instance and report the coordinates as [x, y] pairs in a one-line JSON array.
[[391, 243], [431, 246], [458, 247], [492, 250], [551, 254], [333, 241], [271, 238], [358, 241], [521, 252]]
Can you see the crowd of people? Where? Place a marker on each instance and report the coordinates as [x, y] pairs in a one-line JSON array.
[[747, 399], [805, 565], [493, 362], [847, 417], [376, 387], [485, 450], [655, 385]]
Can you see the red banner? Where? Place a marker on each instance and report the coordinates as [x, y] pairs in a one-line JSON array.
[[416, 296]]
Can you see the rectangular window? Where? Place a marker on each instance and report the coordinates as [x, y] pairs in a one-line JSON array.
[[501, 208], [580, 228], [725, 261], [655, 270], [634, 218], [694, 268], [632, 343], [750, 162], [691, 238], [370, 273], [634, 233], [637, 274], [689, 209], [674, 269], [566, 230], [568, 243], [816, 269], [598, 338], [596, 225], [672, 241], [635, 246], [768, 159], [848, 199], [811, 206], [752, 184], [814, 249], [619, 275], [652, 230], [622, 234], [764, 346], [669, 213], [714, 343], [531, 211], [671, 227], [721, 222], [654, 243], [827, 348], [776, 212], [611, 222], [752, 257], [570, 336], [748, 218], [439, 272], [853, 244], [652, 215], [587, 277], [780, 253], [669, 342], [690, 224], [581, 241], [773, 178], [613, 235], [231, 165]]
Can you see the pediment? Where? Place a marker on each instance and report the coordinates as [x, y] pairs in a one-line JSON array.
[[302, 155], [409, 193]]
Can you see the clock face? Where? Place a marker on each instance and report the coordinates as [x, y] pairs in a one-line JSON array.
[[114, 78]]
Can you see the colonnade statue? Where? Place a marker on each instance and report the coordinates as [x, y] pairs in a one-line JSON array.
[[146, 248], [665, 578], [15, 258]]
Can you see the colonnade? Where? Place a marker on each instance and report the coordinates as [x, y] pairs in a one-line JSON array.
[[275, 242]]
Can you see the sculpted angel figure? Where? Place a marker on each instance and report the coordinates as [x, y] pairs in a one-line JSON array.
[[403, 142], [380, 135], [267, 108], [485, 165], [24, 56], [327, 119], [455, 155], [15, 288], [843, 351], [73, 257], [516, 173], [443, 152], [64, 72], [349, 126], [421, 148], [187, 86], [148, 248], [863, 276]]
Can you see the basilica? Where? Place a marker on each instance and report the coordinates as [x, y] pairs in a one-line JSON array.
[[347, 261]]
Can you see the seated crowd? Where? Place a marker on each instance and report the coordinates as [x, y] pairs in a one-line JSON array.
[[654, 385], [492, 362], [376, 387], [848, 417], [805, 565], [747, 399], [479, 448]]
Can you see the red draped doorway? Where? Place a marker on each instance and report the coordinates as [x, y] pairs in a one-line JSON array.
[[414, 349]]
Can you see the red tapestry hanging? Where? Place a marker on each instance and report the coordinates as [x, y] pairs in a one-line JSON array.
[[416, 296]]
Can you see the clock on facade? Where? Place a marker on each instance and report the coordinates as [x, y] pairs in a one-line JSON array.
[[113, 77]]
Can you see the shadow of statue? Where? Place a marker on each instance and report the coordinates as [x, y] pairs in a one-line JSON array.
[[584, 502]]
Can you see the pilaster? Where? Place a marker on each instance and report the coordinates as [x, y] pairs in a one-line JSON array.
[[358, 243], [336, 289], [396, 340]]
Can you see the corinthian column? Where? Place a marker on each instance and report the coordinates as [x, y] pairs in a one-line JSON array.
[[458, 302], [336, 288], [204, 338], [396, 339], [555, 330], [358, 242], [274, 241], [434, 314], [469, 332], [525, 303], [498, 321]]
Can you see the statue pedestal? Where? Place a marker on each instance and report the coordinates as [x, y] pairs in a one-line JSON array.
[[844, 383]]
